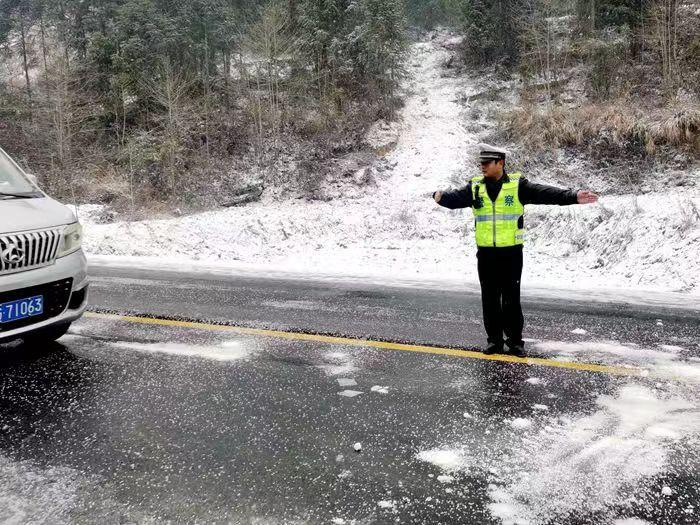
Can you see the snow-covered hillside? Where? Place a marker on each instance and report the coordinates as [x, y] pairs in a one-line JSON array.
[[393, 228]]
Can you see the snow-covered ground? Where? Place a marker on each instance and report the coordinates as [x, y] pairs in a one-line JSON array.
[[393, 228]]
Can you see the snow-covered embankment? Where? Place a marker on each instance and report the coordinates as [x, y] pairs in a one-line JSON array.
[[392, 227]]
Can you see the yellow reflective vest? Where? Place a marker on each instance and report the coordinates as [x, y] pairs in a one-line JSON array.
[[497, 221]]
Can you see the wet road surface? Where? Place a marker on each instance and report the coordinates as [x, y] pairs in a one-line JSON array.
[[140, 421]]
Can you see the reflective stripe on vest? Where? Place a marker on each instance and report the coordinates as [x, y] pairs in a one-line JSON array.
[[497, 221], [487, 218]]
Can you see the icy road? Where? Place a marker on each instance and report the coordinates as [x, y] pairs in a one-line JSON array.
[[189, 398]]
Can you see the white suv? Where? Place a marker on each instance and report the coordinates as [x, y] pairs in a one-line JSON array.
[[43, 272]]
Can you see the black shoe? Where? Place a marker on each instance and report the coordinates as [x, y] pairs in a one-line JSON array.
[[493, 349], [517, 351]]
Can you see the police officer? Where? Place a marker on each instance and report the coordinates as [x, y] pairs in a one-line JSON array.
[[498, 199]]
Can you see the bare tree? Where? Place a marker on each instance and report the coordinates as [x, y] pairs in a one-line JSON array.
[[44, 50], [270, 46], [544, 45], [169, 90], [665, 15], [68, 114], [22, 23]]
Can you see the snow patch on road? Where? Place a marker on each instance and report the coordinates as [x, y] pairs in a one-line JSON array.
[[226, 351], [349, 393], [672, 348], [611, 352], [342, 364], [446, 459], [29, 494], [665, 362], [312, 306], [593, 462], [340, 369], [520, 423]]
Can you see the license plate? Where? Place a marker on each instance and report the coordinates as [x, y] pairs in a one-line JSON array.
[[21, 309]]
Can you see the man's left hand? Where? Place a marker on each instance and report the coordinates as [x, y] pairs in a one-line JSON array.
[[586, 197]]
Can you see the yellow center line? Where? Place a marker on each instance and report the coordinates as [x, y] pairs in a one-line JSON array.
[[385, 345]]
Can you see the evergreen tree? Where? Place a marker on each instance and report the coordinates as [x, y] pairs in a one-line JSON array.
[[491, 31], [357, 46], [599, 14], [323, 28], [378, 41]]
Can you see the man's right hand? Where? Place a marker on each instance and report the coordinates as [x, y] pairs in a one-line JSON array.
[[437, 196], [586, 197]]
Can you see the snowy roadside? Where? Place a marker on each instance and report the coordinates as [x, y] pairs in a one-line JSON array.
[[629, 245]]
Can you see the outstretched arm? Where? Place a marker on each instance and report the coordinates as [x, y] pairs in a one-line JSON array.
[[534, 193], [461, 198]]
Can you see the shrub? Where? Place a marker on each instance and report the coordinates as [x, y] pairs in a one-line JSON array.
[[608, 128]]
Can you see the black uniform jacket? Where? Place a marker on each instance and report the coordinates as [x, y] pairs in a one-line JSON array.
[[528, 193]]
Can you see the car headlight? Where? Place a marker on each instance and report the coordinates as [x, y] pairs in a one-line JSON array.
[[72, 239]]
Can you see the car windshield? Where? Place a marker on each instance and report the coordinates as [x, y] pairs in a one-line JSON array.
[[12, 180]]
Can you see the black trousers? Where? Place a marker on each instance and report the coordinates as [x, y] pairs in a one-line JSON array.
[[500, 270]]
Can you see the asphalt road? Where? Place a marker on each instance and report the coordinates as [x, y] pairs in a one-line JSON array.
[[435, 316], [144, 420]]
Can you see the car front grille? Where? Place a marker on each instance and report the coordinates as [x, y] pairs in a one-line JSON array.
[[28, 250]]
